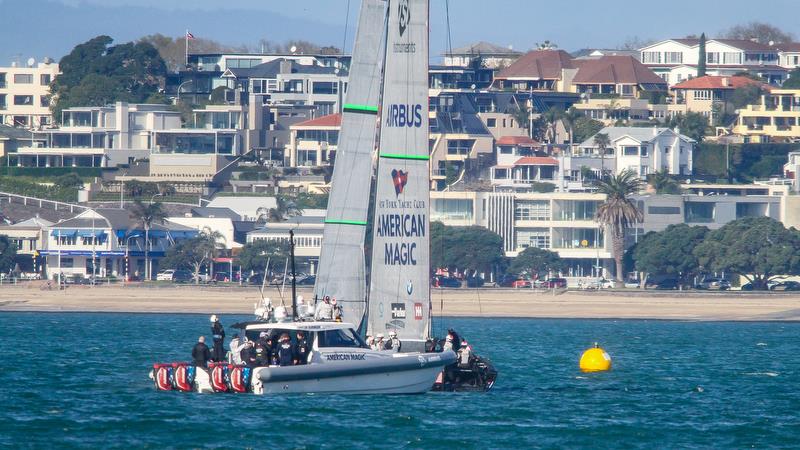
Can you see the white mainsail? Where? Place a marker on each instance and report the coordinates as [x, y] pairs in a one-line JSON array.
[[341, 272], [399, 297]]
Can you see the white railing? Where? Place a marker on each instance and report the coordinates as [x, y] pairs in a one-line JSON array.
[[41, 203]]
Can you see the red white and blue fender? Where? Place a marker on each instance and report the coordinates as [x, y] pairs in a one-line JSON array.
[[219, 377], [163, 376], [184, 377], [239, 378]]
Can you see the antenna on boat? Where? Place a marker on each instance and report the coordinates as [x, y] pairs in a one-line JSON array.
[[294, 275]]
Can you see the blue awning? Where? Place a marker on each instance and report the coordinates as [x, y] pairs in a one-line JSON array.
[[63, 233], [90, 233]]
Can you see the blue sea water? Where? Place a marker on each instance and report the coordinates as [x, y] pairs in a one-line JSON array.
[[80, 380]]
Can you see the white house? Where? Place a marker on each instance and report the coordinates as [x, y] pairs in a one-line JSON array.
[[643, 150], [676, 60]]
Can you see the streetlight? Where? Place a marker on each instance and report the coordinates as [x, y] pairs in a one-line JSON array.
[[147, 265], [127, 256], [178, 100]]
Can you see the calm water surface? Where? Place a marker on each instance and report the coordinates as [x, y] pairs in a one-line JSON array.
[[80, 380]]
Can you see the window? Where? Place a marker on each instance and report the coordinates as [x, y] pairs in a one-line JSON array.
[[630, 150], [712, 57], [44, 101], [44, 79], [751, 210], [459, 146], [578, 238], [23, 100], [699, 212], [731, 58], [627, 90], [506, 150], [67, 263], [339, 338], [500, 174], [491, 123], [532, 210], [663, 210], [643, 171], [23, 78], [702, 94], [645, 151], [2, 102], [651, 57], [325, 87], [451, 209], [673, 57], [533, 237], [577, 210]]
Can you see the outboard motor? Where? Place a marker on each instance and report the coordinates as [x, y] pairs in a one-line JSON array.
[[184, 377], [219, 377], [163, 376], [239, 378]]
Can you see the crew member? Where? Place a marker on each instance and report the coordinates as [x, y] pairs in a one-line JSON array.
[[456, 339], [247, 354], [370, 341], [236, 347], [394, 343], [378, 343], [324, 310], [263, 350], [218, 334], [285, 352], [337, 310], [464, 356], [301, 348], [200, 353], [448, 343]]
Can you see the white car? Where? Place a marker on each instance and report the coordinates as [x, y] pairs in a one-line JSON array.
[[165, 275]]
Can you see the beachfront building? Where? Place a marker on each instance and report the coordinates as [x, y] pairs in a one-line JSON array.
[[675, 60], [642, 150], [25, 93], [307, 230], [108, 242], [28, 236], [97, 136], [775, 118]]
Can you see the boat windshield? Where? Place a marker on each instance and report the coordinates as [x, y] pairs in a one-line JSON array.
[[340, 338]]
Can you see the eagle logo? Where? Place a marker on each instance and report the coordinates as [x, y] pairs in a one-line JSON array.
[[403, 16]]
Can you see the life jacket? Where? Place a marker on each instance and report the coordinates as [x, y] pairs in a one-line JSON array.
[[219, 377], [184, 377], [239, 378], [162, 376]]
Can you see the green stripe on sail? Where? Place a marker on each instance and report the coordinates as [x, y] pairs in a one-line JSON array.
[[360, 108], [346, 222], [401, 156]]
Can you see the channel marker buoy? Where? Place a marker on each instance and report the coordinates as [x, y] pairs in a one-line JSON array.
[[595, 359]]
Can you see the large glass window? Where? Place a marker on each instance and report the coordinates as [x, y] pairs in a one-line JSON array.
[[459, 146], [444, 209], [630, 150], [673, 57], [651, 57], [533, 237], [339, 338], [578, 238], [751, 210], [325, 87], [23, 78], [23, 100], [532, 210], [699, 212], [576, 210]]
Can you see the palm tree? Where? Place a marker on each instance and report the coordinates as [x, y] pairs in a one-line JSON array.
[[618, 211], [662, 183], [522, 115], [146, 215], [552, 116], [602, 141], [284, 208], [208, 246], [570, 119]]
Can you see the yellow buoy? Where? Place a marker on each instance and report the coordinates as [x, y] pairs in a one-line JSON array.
[[595, 359]]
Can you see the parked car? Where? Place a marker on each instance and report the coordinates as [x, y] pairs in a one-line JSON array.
[[202, 277], [556, 283], [714, 284], [632, 284], [182, 276], [665, 284], [225, 277], [445, 282], [506, 280], [309, 280], [165, 275], [786, 286], [474, 282], [256, 278]]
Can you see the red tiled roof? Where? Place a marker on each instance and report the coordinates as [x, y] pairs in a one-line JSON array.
[[615, 70], [536, 161], [718, 82], [517, 140], [542, 64], [331, 120]]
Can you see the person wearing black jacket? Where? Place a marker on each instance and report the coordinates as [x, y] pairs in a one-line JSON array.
[[218, 334], [285, 351], [301, 349], [200, 353]]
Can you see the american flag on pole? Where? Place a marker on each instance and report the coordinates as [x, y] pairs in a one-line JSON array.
[[189, 36]]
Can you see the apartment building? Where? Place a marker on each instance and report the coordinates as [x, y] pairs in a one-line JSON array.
[[28, 236], [25, 94], [776, 118], [312, 143], [521, 162], [489, 55], [711, 95], [675, 60]]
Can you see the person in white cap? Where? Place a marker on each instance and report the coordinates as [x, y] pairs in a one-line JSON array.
[[378, 343], [448, 343], [394, 343], [324, 310], [218, 334]]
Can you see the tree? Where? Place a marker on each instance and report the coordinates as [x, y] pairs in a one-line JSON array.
[[538, 261], [701, 58], [746, 95], [254, 255], [68, 181], [546, 45], [794, 80], [146, 215], [173, 50], [285, 207], [194, 253], [521, 114], [602, 141], [570, 118], [757, 248], [618, 211], [691, 124], [762, 32], [586, 127], [551, 117], [95, 73], [663, 183], [467, 248], [669, 252], [8, 252]]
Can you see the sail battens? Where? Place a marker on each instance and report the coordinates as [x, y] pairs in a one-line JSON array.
[[362, 109], [362, 223], [405, 156]]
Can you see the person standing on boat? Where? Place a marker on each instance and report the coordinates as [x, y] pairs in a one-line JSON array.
[[263, 350], [285, 352], [200, 353], [324, 310], [394, 343], [218, 334], [378, 344], [247, 354], [465, 356], [456, 339], [448, 343], [337, 310], [301, 348]]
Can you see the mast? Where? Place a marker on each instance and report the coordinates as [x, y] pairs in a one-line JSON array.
[[399, 298], [342, 270], [294, 276]]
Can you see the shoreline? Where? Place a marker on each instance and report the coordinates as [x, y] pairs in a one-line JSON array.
[[478, 303]]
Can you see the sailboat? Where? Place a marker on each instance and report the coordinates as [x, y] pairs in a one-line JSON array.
[[339, 360]]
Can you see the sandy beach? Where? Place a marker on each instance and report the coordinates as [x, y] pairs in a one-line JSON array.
[[627, 304]]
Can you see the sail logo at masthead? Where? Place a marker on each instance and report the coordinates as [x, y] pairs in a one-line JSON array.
[[403, 16], [398, 311], [400, 180]]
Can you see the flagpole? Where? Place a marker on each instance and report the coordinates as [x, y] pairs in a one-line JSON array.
[[186, 40]]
